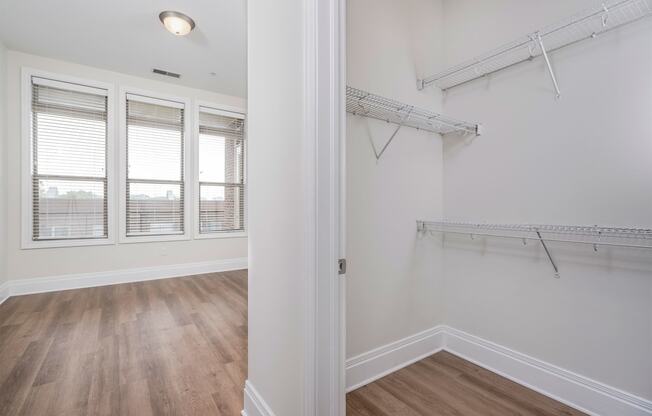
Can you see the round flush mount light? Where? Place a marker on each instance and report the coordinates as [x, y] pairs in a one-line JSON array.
[[177, 22]]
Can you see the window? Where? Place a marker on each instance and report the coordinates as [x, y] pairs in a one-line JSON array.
[[68, 127], [220, 172], [155, 171], [68, 158]]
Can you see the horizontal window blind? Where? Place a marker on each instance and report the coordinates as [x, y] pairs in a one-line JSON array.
[[221, 172], [68, 161], [155, 167]]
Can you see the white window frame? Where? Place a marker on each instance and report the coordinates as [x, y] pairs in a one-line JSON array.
[[230, 111], [27, 213], [155, 98]]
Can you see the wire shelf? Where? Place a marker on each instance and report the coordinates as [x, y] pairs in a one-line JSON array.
[[362, 103], [594, 235], [585, 25]]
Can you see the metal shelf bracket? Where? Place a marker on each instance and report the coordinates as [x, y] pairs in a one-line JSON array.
[[380, 154], [548, 64], [387, 143], [545, 247]]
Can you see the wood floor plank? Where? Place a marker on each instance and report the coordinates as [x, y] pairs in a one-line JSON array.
[[424, 399], [15, 389], [446, 385], [464, 398], [509, 393], [54, 364], [376, 400], [173, 347], [136, 399], [40, 400]]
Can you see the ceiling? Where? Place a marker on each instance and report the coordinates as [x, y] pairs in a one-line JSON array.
[[126, 36]]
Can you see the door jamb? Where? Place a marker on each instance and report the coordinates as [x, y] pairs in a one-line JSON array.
[[324, 92]]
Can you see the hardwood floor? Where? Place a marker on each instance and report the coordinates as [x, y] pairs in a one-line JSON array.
[[164, 347], [445, 385], [179, 347]]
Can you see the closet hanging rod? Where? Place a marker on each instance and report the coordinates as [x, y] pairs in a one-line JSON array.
[[362, 103], [585, 25]]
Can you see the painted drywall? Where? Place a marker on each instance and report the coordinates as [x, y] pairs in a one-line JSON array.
[[275, 133], [3, 164], [394, 279], [22, 264], [583, 159]]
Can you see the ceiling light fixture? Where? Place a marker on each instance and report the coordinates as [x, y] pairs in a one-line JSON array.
[[177, 22]]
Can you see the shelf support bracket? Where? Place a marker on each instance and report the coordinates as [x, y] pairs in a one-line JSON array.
[[388, 142], [380, 154], [550, 70], [545, 247]]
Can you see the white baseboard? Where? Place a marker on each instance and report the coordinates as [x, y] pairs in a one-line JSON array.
[[582, 393], [372, 365], [579, 392], [83, 280], [4, 292], [254, 404]]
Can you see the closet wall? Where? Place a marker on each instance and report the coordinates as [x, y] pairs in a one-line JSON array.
[[584, 159], [277, 322], [394, 279]]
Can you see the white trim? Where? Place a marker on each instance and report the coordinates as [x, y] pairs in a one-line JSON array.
[[26, 152], [323, 82], [254, 404], [216, 109], [159, 99], [377, 363], [83, 242], [308, 167], [341, 28], [577, 391], [69, 86], [83, 280], [212, 105], [4, 292], [228, 111], [220, 235], [137, 239], [155, 99]]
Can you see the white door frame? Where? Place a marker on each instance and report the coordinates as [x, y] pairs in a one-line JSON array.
[[324, 87]]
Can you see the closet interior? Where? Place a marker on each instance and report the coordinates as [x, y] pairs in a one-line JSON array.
[[476, 172]]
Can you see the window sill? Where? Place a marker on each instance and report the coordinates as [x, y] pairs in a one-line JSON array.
[[153, 239], [35, 245], [219, 236]]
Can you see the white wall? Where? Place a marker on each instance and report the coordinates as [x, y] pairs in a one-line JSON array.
[[3, 164], [394, 279], [275, 133], [585, 159], [23, 264]]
